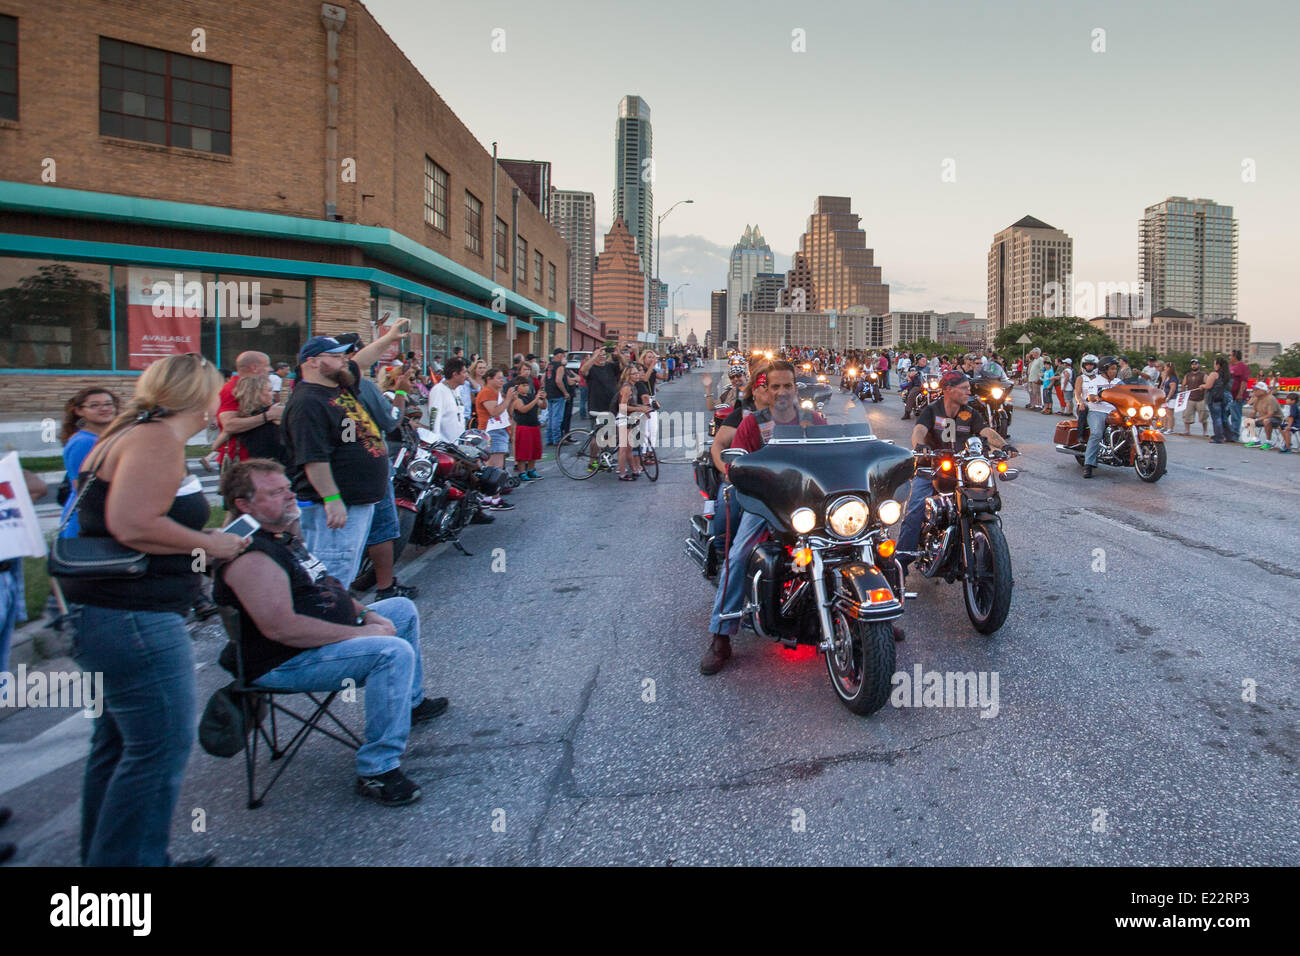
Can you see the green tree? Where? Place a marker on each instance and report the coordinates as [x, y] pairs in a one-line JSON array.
[[1287, 364], [1065, 337], [928, 347]]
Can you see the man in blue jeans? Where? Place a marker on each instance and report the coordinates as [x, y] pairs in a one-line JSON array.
[[301, 631], [557, 396]]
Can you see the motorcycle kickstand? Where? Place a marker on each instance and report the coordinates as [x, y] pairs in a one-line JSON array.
[[460, 547]]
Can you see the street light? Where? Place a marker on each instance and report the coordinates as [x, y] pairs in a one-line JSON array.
[[677, 290], [659, 238]]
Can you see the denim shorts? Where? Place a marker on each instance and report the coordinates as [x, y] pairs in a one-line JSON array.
[[383, 526], [500, 439]]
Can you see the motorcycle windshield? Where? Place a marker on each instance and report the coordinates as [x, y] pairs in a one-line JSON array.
[[802, 467]]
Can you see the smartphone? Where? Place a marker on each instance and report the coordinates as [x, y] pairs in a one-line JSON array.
[[244, 526]]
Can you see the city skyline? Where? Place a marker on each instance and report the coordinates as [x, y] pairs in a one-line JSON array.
[[1087, 152]]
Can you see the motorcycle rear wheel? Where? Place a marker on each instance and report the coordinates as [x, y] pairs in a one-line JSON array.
[[862, 681], [1155, 470], [988, 600]]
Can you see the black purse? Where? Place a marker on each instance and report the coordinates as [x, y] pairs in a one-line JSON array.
[[96, 558]]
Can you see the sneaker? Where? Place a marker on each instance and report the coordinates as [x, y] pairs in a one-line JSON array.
[[534, 476], [392, 789], [1251, 444], [525, 476], [481, 517], [396, 590], [499, 506], [428, 709], [1284, 451]]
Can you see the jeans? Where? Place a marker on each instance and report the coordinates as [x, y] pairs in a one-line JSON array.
[[1218, 417], [884, 379], [141, 743], [384, 525], [555, 419], [1096, 425], [12, 606], [582, 401], [339, 549], [909, 533], [731, 589], [1232, 422], [727, 502], [568, 415], [391, 670]]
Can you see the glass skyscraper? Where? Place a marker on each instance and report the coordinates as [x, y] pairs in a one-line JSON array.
[[1187, 252]]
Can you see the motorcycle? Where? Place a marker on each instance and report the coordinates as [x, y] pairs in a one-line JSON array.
[[1132, 435], [826, 575], [456, 482], [992, 396], [406, 492], [720, 413], [961, 533], [921, 394], [870, 388], [849, 380]]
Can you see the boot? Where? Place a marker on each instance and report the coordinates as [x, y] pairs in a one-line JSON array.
[[718, 653], [1087, 471]]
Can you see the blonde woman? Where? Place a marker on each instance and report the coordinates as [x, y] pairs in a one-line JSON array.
[[138, 491]]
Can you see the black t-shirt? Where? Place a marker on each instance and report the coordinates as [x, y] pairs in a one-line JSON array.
[[737, 415], [969, 422], [602, 383], [331, 425], [264, 441], [553, 390], [314, 592], [643, 393]]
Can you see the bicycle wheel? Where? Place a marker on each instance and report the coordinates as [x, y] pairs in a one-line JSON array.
[[650, 462], [574, 454]]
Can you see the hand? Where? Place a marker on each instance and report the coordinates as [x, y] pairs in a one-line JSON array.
[[379, 624], [400, 328], [275, 412], [404, 382], [222, 546], [1011, 450], [707, 379], [336, 514]]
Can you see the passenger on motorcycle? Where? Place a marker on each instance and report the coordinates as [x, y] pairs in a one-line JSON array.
[[947, 423], [751, 435], [726, 510], [1093, 385]]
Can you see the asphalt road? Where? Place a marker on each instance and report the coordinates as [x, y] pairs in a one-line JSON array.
[[1121, 735]]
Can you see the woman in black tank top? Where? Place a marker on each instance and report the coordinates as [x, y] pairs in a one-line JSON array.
[[139, 492]]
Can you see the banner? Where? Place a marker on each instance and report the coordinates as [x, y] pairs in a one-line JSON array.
[[164, 314], [20, 531], [1180, 401]]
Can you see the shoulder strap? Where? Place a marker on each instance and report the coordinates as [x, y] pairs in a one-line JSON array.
[[81, 492]]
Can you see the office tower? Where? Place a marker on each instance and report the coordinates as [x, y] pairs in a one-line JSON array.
[[619, 285], [634, 176], [1023, 260], [840, 268], [718, 318], [1187, 252], [574, 216], [750, 256], [765, 293]]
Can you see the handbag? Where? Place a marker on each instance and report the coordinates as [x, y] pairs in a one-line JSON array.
[[98, 558]]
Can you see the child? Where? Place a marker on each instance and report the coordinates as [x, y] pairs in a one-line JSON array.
[[528, 432]]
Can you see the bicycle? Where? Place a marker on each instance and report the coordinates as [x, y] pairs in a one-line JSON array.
[[579, 456]]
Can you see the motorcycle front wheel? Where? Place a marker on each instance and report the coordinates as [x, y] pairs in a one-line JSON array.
[[862, 669], [1150, 463], [987, 589]]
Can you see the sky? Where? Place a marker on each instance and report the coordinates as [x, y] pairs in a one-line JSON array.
[[1026, 106]]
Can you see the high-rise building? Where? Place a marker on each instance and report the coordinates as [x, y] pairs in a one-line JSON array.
[[718, 318], [658, 304], [841, 268], [619, 284], [858, 329], [750, 256], [799, 294], [1024, 260], [534, 178], [634, 176], [765, 293], [1187, 251], [574, 216]]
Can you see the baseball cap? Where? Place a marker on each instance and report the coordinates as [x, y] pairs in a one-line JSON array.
[[351, 339], [321, 345], [953, 377], [559, 352], [1068, 361], [1262, 385]]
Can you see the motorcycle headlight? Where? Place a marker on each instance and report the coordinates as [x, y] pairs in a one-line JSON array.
[[421, 470], [932, 383], [847, 517], [803, 520], [1132, 413], [806, 403], [978, 471], [1148, 412], [1163, 411], [890, 511], [995, 393]]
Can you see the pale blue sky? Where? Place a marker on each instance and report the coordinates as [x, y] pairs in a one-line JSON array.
[[1036, 122]]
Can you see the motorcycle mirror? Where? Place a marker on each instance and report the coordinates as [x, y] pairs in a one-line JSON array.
[[732, 455], [1011, 474]]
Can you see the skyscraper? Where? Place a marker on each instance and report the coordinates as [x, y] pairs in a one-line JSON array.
[[1187, 252], [1024, 259], [750, 256], [765, 293], [574, 216], [717, 336], [842, 269], [657, 305], [634, 176], [618, 285]]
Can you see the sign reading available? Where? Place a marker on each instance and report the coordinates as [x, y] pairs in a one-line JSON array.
[[161, 319]]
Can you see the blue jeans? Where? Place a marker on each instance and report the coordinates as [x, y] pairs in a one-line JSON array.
[[1096, 425], [555, 419], [141, 743], [391, 670], [724, 503], [731, 587], [12, 610], [1218, 417], [339, 549], [1232, 423], [384, 526], [909, 532], [582, 401]]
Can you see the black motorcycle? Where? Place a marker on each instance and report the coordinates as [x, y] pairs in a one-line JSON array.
[[869, 388], [961, 534], [993, 398], [923, 390], [826, 575]]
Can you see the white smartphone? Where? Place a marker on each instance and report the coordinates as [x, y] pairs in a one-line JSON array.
[[244, 526]]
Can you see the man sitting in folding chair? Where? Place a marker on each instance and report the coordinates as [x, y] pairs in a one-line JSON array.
[[300, 630]]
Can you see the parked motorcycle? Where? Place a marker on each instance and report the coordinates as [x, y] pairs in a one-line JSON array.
[[457, 481], [961, 533], [1132, 435], [993, 398], [826, 575]]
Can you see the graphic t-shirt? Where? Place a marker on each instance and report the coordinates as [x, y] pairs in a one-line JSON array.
[[967, 423], [331, 425]]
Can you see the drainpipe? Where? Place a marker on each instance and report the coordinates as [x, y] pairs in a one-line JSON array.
[[514, 239], [333, 17]]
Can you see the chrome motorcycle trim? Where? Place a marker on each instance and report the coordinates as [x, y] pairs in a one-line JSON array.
[[940, 559], [755, 609], [788, 603], [817, 571], [842, 440]]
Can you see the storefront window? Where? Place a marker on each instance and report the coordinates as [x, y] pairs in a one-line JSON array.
[[261, 314], [54, 315], [437, 345]]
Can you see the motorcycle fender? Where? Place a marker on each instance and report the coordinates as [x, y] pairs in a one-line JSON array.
[[854, 584], [1150, 434]]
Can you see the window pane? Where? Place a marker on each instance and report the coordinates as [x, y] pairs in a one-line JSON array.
[[156, 132], [55, 315], [110, 124], [180, 136], [200, 70], [181, 67], [201, 139], [110, 51], [279, 307], [220, 143]]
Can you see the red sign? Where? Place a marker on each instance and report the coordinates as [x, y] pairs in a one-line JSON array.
[[164, 315]]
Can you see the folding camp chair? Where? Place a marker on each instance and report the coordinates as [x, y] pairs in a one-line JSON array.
[[260, 706]]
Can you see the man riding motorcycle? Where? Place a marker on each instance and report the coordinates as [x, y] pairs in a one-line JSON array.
[[915, 380], [1088, 367], [751, 435], [946, 423], [1093, 385]]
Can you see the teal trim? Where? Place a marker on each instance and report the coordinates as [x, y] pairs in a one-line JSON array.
[[109, 252], [112, 315], [383, 244], [521, 325]]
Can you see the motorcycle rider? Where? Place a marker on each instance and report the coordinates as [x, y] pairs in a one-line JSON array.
[[947, 423], [726, 510], [915, 380], [1088, 366], [751, 435], [1094, 384]]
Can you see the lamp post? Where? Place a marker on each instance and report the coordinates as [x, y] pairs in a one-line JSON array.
[[659, 222], [675, 291]]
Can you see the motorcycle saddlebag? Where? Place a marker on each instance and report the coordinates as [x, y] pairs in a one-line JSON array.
[[706, 476], [1067, 432]]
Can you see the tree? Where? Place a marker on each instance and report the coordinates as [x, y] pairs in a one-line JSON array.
[[929, 347], [1066, 337], [1287, 365]]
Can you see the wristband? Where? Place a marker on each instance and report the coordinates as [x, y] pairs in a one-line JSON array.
[[328, 498], [400, 392]]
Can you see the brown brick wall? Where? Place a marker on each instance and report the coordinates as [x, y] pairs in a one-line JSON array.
[[43, 396]]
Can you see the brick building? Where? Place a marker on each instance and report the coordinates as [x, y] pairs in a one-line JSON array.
[[619, 286], [228, 171], [1173, 331]]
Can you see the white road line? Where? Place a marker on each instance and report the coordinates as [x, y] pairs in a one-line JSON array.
[[58, 746]]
